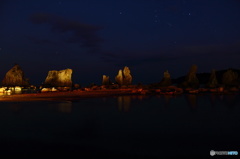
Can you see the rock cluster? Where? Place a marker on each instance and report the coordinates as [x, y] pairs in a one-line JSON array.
[[62, 78], [127, 77], [213, 82], [105, 80], [119, 77], [166, 81], [191, 80], [124, 77], [230, 78], [15, 77]]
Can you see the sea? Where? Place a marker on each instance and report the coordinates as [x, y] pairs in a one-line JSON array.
[[136, 126]]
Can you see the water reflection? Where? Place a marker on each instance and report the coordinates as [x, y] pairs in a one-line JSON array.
[[230, 101], [191, 100], [139, 97], [124, 103], [15, 107], [65, 107], [167, 99], [213, 99]]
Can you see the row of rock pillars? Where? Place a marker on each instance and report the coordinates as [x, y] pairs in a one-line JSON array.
[[123, 77], [63, 78]]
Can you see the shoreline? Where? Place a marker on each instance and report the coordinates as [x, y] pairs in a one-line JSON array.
[[59, 96], [75, 95]]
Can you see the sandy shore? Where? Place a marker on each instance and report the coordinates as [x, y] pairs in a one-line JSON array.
[[59, 96]]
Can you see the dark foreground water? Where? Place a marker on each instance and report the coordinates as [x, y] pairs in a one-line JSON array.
[[121, 127]]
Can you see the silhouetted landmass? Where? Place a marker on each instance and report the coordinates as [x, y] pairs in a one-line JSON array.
[[204, 77]]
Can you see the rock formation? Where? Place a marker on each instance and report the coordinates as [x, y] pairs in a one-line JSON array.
[[62, 78], [15, 77], [105, 80], [230, 78], [119, 78], [191, 80], [212, 83], [127, 77], [124, 77], [166, 81]]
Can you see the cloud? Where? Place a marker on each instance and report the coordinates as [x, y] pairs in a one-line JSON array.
[[183, 53], [36, 40], [133, 59], [84, 34]]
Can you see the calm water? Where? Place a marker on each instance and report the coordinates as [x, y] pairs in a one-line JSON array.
[[121, 127]]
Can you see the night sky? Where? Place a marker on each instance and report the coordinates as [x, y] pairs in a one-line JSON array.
[[96, 37]]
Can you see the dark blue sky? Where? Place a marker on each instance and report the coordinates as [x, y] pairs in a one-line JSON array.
[[96, 37]]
